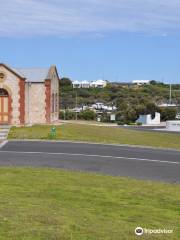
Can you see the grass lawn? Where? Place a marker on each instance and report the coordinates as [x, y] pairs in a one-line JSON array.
[[53, 204], [81, 132]]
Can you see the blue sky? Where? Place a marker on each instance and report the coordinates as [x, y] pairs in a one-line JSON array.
[[118, 40]]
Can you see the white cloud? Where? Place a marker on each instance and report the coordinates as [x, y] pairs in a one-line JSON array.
[[69, 17]]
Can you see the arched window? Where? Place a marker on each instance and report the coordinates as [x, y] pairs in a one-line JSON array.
[[3, 92]]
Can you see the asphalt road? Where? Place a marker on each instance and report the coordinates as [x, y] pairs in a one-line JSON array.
[[150, 129], [142, 163]]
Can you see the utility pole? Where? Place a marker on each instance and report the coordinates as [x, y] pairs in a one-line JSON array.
[[28, 85], [76, 105], [65, 113], [170, 94]]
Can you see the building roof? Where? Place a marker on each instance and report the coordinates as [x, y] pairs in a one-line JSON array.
[[33, 74], [76, 82], [141, 81], [94, 82], [100, 81], [85, 82]]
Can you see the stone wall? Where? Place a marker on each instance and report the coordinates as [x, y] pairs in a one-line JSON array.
[[35, 103], [11, 84]]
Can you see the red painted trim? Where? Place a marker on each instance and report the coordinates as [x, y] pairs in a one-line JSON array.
[[48, 100], [22, 100]]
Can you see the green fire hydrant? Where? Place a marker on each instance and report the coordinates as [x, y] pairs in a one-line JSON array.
[[53, 131]]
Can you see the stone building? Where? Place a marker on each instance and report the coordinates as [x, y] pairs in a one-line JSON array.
[[28, 95]]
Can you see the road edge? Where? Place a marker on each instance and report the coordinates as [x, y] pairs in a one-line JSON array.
[[92, 143], [3, 143]]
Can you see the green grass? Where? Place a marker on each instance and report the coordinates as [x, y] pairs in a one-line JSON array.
[[81, 132], [51, 204]]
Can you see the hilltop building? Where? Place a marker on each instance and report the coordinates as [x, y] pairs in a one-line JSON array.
[[85, 84], [99, 84], [141, 82], [28, 95]]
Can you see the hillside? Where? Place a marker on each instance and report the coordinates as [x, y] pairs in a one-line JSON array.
[[130, 100]]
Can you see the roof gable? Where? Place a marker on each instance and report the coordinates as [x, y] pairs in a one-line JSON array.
[[12, 70], [52, 71]]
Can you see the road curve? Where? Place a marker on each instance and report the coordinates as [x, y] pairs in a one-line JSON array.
[[142, 163]]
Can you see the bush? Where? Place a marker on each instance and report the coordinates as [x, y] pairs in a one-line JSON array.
[[87, 115], [120, 123], [168, 113], [67, 115], [124, 122], [61, 115], [105, 117]]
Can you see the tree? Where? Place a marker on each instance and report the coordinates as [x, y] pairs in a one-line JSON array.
[[65, 82], [151, 108], [131, 115], [168, 113]]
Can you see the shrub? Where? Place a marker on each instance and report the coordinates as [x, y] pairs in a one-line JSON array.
[[67, 115], [105, 117], [87, 115], [168, 113]]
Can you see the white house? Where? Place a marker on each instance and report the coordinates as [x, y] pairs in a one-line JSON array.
[[167, 105], [85, 84], [76, 84], [99, 84], [98, 106], [141, 82]]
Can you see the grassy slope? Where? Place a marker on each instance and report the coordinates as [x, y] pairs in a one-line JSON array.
[[90, 133], [51, 204]]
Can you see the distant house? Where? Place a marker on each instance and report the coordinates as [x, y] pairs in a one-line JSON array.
[[141, 82], [101, 106], [99, 84], [167, 105], [76, 84], [85, 84], [98, 106]]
